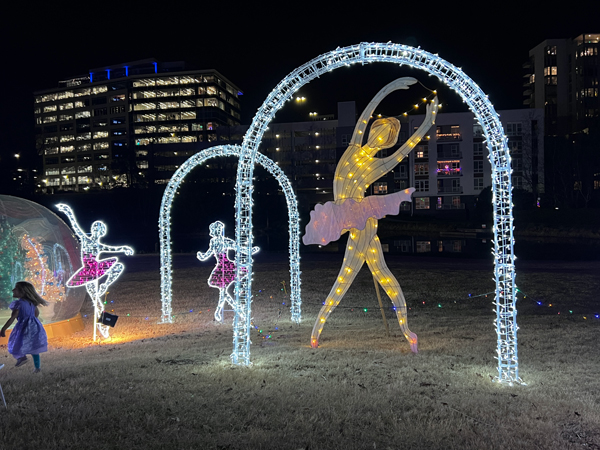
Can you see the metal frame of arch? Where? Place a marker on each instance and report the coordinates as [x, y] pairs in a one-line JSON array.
[[165, 228], [456, 79]]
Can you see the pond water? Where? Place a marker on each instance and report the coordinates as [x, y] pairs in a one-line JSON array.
[[453, 245]]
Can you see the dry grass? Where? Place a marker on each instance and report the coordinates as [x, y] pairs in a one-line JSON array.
[[172, 386]]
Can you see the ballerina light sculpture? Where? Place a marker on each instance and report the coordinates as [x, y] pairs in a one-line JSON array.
[[225, 272], [93, 268], [351, 211]]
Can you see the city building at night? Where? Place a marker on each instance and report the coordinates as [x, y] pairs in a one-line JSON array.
[[93, 131], [450, 168], [562, 77]]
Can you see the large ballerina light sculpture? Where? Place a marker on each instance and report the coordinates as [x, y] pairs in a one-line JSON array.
[[351, 211], [94, 269], [224, 273]]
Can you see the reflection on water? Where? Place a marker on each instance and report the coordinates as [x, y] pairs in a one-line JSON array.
[[480, 247]]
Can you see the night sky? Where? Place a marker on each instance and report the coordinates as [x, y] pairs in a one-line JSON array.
[[257, 46]]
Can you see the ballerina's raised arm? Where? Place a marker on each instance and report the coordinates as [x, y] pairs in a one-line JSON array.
[[386, 164], [66, 209], [363, 120]]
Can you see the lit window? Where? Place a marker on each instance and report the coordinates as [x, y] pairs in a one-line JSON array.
[[421, 202], [84, 169], [99, 89], [422, 152], [84, 136], [100, 134], [380, 188], [450, 168]]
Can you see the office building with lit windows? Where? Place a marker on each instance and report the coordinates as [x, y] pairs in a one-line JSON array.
[[306, 151], [100, 130], [562, 77]]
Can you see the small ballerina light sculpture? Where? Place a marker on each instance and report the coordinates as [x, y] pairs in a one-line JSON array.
[[224, 273], [93, 268]]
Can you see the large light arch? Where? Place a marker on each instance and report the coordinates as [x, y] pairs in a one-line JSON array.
[[455, 78], [164, 225]]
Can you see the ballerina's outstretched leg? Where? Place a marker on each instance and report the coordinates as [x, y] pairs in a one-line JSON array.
[[391, 286], [354, 258], [223, 297], [112, 274]]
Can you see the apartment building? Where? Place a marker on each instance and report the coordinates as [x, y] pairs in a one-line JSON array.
[[450, 168], [562, 77]]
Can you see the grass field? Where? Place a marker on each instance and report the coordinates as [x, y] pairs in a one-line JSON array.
[[173, 387]]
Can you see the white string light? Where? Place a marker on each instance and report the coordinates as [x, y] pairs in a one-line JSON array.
[[164, 227], [471, 93]]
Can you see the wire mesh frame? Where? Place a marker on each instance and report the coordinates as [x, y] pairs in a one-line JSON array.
[[164, 226], [471, 93]]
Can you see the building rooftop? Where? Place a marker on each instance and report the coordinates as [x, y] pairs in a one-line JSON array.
[[133, 69]]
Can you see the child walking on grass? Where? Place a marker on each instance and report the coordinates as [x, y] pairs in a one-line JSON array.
[[28, 336]]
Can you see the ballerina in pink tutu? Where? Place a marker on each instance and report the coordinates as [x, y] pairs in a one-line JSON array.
[[224, 273], [93, 269]]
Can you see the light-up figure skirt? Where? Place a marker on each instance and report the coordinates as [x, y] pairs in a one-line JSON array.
[[224, 272], [92, 270]]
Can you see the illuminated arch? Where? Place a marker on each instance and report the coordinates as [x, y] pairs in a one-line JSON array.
[[165, 225], [366, 53]]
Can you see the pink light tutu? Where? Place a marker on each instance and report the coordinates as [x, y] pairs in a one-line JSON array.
[[329, 220], [224, 272], [91, 270]]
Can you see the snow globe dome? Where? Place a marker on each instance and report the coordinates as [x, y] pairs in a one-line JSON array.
[[38, 247]]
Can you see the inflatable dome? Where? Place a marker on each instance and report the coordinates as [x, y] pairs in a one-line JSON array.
[[37, 246]]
